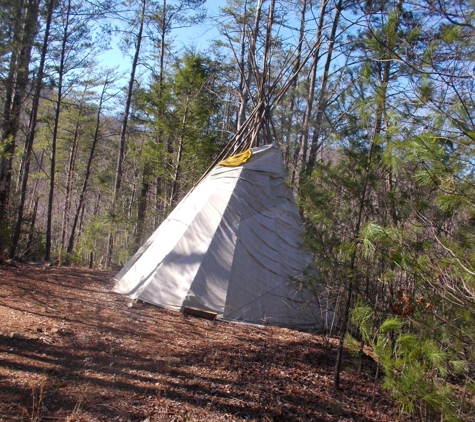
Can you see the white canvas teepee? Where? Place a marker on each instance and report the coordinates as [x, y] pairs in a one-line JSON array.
[[231, 247]]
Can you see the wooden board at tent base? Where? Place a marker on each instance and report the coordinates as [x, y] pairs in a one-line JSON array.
[[200, 313]]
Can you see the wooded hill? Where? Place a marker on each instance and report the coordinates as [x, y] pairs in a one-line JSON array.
[[377, 131]]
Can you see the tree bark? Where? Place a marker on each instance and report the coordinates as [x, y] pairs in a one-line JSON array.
[[87, 175], [378, 127], [289, 126], [322, 98], [302, 156], [9, 83], [25, 32], [252, 59], [31, 234], [123, 133], [352, 278], [54, 137], [69, 181], [243, 89], [176, 175]]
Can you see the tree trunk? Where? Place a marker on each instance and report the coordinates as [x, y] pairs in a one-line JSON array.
[[243, 89], [130, 90], [145, 184], [302, 156], [25, 31], [288, 124], [379, 114], [87, 175], [54, 137], [142, 205], [262, 79], [176, 175], [159, 206], [31, 234], [352, 278], [9, 83], [252, 60], [69, 181], [123, 133], [322, 98]]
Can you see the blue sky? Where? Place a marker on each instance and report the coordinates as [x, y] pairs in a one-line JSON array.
[[201, 35], [198, 37]]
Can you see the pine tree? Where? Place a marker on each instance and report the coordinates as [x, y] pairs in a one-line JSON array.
[[25, 23]]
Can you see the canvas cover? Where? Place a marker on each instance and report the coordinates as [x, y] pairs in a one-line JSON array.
[[232, 246]]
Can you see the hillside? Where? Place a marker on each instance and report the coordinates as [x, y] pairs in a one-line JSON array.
[[73, 351]]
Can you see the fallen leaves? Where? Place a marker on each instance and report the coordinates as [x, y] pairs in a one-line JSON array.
[[102, 360]]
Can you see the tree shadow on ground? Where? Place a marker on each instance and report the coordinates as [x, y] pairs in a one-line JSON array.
[[79, 346]]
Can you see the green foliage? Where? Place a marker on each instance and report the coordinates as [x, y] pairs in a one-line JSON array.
[[451, 34], [181, 111], [93, 241], [415, 369], [391, 208]]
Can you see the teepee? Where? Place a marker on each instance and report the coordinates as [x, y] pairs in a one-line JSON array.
[[232, 248]]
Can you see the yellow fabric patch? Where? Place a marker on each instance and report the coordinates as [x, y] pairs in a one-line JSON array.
[[236, 160]]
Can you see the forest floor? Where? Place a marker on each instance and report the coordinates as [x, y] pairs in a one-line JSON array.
[[71, 350]]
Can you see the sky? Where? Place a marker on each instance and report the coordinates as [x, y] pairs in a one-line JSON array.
[[197, 37], [202, 35]]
